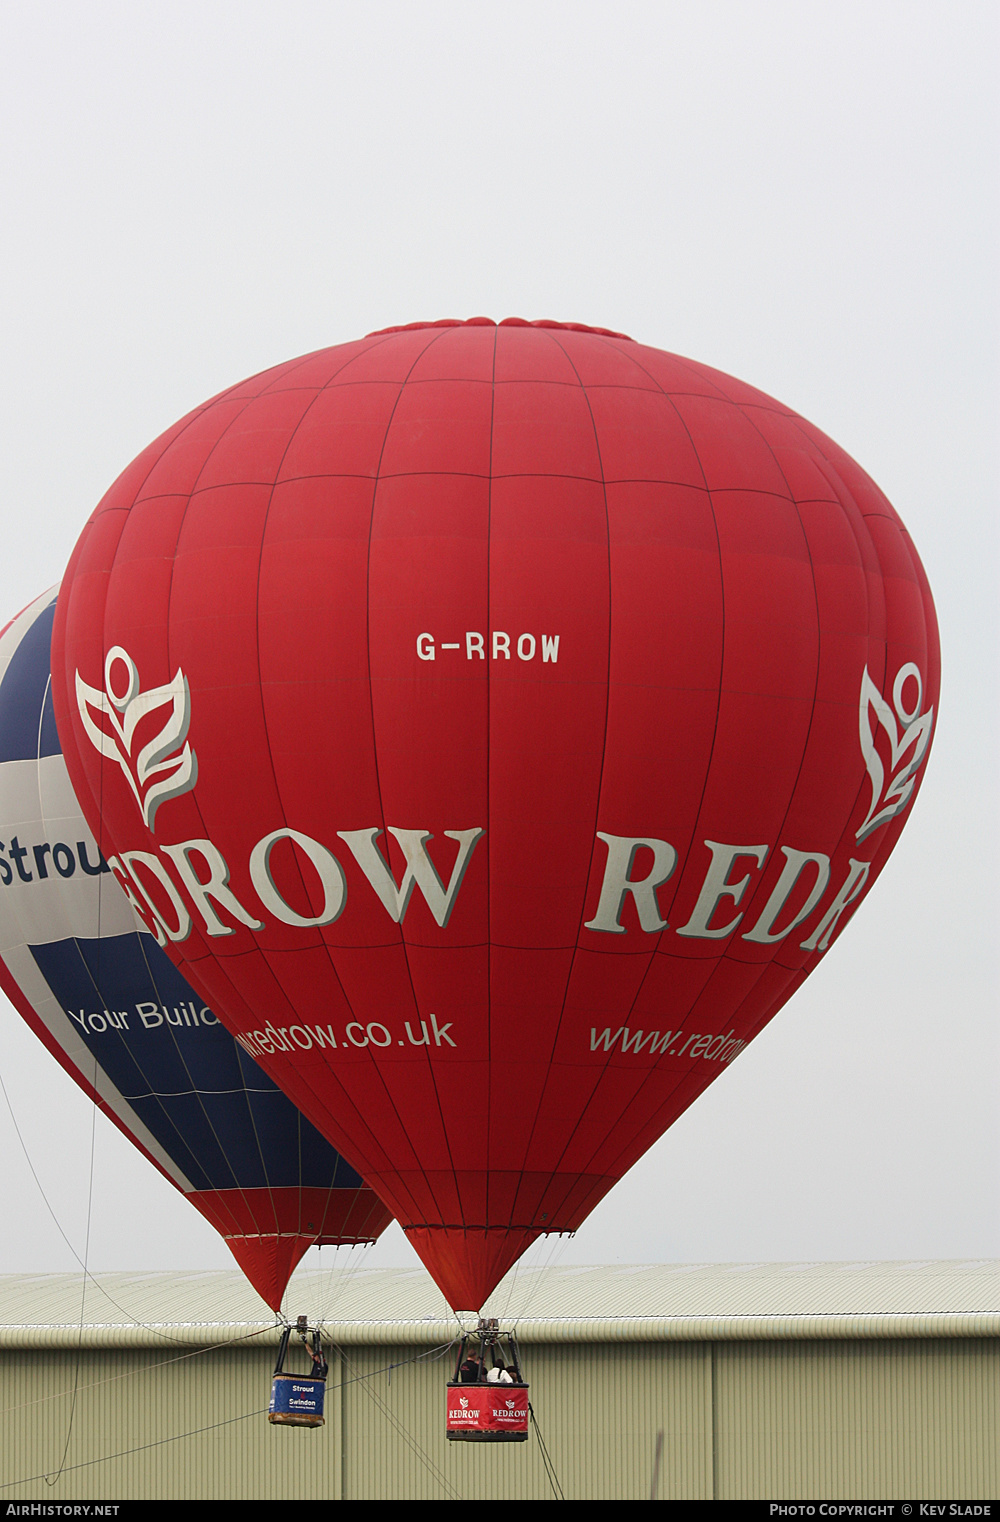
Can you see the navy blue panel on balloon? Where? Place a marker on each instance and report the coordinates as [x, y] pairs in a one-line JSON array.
[[24, 695], [220, 1118]]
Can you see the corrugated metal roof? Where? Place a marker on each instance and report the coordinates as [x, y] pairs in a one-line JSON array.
[[632, 1302]]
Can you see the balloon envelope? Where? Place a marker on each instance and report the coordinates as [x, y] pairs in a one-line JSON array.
[[496, 724], [94, 986]]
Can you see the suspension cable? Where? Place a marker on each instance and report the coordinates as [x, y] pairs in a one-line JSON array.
[[550, 1470], [412, 1443], [54, 1479]]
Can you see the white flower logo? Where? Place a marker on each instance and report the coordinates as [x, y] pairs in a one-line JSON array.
[[914, 735], [155, 774]]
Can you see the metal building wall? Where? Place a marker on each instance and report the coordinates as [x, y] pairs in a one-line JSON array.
[[778, 1419], [909, 1418]]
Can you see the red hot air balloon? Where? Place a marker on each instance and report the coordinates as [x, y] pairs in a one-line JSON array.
[[117, 1015], [497, 724]]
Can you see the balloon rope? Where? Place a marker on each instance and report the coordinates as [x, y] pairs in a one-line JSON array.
[[83, 1297], [135, 1321], [177, 1437], [550, 1470], [125, 1453], [163, 1363], [96, 980], [93, 1138], [412, 1443]]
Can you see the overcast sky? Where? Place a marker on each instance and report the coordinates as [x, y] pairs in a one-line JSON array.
[[803, 195]]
